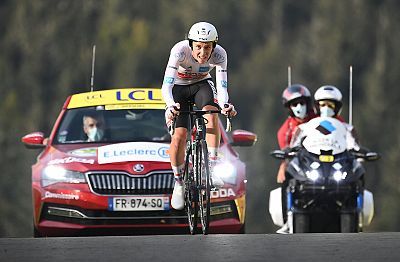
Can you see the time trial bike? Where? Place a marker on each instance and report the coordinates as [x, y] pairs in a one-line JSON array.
[[196, 177]]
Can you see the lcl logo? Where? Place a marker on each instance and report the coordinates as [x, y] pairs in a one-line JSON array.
[[138, 168], [93, 96]]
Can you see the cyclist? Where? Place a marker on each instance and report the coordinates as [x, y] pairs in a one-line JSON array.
[[297, 99], [187, 77]]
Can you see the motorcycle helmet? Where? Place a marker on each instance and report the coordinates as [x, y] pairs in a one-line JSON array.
[[203, 32], [297, 93], [328, 93]]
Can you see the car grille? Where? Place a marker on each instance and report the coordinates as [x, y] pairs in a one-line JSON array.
[[113, 183]]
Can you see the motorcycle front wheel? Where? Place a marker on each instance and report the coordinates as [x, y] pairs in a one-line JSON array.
[[301, 223], [348, 223]]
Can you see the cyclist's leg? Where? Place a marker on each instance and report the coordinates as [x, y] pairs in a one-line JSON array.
[[178, 146], [177, 151], [205, 98], [178, 140]]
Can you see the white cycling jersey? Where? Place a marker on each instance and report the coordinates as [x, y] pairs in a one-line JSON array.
[[183, 69]]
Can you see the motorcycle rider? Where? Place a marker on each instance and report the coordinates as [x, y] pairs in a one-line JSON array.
[[328, 103], [297, 99], [187, 77]]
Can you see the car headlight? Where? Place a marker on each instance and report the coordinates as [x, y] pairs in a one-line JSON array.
[[226, 171], [56, 174]]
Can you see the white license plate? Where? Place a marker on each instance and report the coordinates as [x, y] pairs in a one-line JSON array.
[[138, 203]]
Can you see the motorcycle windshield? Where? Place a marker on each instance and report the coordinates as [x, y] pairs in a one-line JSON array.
[[325, 134]]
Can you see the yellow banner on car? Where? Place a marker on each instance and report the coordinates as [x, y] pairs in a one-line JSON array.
[[146, 98], [135, 106]]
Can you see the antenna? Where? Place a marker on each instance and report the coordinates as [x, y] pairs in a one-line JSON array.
[[93, 59], [289, 76], [351, 97]]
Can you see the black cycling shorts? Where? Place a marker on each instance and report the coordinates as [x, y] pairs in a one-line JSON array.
[[202, 93]]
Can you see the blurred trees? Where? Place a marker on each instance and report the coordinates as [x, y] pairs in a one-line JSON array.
[[46, 55]]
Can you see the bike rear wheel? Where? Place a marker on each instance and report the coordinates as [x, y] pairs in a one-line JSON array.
[[203, 175], [191, 193]]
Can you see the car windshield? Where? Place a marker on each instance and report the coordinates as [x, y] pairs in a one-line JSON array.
[[96, 125]]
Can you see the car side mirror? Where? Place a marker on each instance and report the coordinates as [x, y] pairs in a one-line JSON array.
[[243, 138], [34, 140]]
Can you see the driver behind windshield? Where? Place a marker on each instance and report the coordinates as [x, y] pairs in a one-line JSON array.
[[93, 127]]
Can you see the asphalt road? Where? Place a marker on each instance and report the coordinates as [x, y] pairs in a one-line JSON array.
[[249, 247]]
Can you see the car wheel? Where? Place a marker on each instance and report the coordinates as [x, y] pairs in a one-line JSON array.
[[243, 229], [36, 232]]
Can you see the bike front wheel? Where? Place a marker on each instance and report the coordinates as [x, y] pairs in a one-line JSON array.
[[191, 194], [203, 175]]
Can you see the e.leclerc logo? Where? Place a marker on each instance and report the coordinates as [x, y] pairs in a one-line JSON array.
[[163, 152]]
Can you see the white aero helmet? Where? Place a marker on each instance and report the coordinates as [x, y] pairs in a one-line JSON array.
[[331, 93], [203, 32]]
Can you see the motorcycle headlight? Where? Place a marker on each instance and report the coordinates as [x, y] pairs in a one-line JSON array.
[[339, 175], [313, 174], [226, 171], [56, 174]]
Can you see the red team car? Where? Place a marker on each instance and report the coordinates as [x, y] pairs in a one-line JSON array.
[[118, 179]]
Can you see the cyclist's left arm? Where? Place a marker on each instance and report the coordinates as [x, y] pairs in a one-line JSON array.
[[220, 60]]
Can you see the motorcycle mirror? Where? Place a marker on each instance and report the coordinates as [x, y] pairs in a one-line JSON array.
[[279, 154], [371, 156], [292, 153]]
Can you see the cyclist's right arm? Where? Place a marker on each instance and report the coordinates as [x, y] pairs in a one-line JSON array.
[[177, 55]]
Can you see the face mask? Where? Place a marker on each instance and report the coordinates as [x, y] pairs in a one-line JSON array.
[[95, 134], [299, 111], [326, 111]]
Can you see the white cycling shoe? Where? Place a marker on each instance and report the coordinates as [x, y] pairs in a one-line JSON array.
[[178, 198], [284, 229]]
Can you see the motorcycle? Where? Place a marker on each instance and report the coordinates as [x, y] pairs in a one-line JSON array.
[[324, 188]]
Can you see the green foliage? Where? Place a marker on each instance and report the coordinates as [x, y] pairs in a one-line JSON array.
[[46, 49]]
